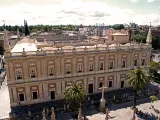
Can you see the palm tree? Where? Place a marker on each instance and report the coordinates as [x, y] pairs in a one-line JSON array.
[[138, 79], [75, 94]]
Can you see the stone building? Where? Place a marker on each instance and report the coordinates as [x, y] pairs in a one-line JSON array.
[[39, 73]]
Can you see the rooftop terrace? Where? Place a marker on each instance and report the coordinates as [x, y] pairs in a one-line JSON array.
[[29, 47]]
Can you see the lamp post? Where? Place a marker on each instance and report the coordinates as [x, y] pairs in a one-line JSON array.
[[102, 101]]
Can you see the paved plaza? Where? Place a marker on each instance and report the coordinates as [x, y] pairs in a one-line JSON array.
[[126, 113]]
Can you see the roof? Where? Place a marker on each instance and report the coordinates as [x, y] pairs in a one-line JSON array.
[[119, 33], [27, 44]]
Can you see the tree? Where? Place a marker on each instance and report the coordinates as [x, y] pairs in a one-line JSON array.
[[138, 79], [75, 95], [26, 29], [153, 98], [153, 71]]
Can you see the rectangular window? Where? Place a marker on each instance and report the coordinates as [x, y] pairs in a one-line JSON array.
[[90, 66], [123, 63], [18, 74], [110, 64], [143, 62], [110, 84], [135, 62], [79, 68], [33, 73], [21, 96], [122, 84], [34, 95], [51, 71], [52, 95], [68, 69], [100, 84], [101, 66]]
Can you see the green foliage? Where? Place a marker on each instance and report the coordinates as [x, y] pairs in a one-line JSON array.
[[26, 28], [153, 98], [75, 93], [153, 71], [137, 78], [117, 27], [140, 38], [43, 28]]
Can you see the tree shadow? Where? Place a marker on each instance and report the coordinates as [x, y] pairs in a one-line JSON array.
[[147, 116]]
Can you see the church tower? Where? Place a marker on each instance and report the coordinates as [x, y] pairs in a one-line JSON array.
[[149, 36]]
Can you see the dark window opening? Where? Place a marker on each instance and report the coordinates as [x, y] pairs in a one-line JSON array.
[[34, 95], [122, 84], [100, 84], [135, 62], [90, 88], [110, 84], [123, 63], [143, 62], [21, 97], [52, 95]]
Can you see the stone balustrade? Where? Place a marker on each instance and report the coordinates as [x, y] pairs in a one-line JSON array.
[[81, 50]]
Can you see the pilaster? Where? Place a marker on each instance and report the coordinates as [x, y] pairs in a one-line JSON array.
[[25, 70], [11, 71], [85, 63], [96, 62]]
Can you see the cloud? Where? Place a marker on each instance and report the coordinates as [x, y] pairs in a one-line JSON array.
[[133, 1], [72, 12], [150, 1]]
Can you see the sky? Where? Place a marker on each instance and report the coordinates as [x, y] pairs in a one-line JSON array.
[[86, 12]]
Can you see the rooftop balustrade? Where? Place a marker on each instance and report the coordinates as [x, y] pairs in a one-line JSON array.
[[82, 49]]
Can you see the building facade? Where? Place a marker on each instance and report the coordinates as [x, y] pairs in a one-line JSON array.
[[40, 75]]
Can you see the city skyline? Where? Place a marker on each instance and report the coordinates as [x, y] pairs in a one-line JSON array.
[[76, 12]]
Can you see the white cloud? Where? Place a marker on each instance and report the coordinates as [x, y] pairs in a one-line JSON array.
[[73, 12], [134, 1], [149, 1]]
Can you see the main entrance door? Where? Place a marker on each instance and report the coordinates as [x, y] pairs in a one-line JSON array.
[[52, 95], [90, 88]]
